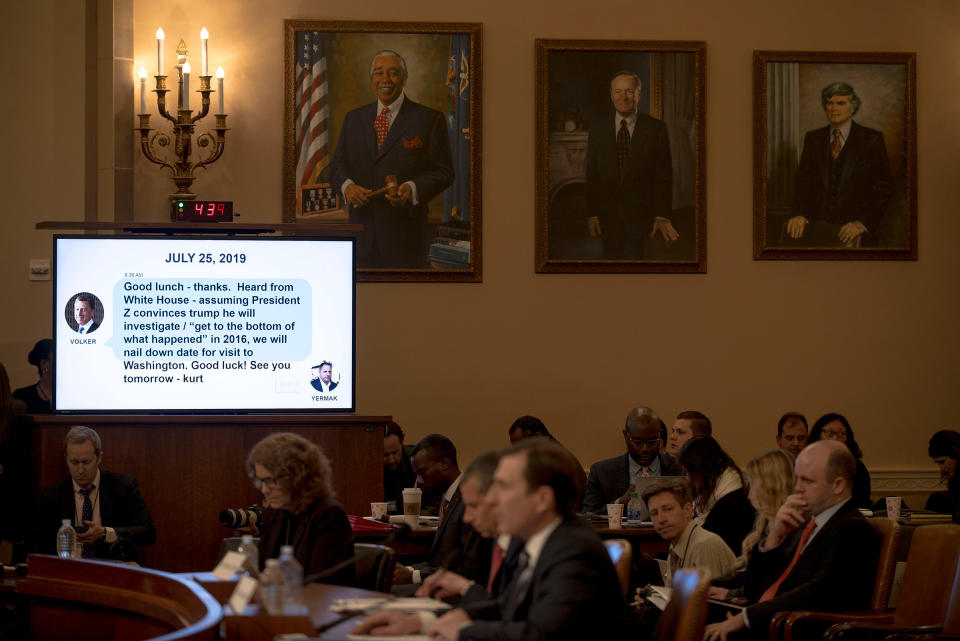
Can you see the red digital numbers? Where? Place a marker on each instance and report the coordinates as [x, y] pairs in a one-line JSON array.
[[204, 210]]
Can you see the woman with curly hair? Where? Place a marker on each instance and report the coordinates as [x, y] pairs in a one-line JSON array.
[[770, 480], [295, 478], [719, 500], [836, 427]]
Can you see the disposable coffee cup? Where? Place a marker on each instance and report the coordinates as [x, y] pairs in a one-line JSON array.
[[615, 516], [411, 506], [893, 507], [378, 510]]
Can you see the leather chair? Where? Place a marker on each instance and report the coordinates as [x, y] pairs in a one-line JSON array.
[[782, 624], [621, 553], [925, 594], [375, 568], [686, 613]]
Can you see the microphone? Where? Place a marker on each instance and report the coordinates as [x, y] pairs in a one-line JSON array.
[[401, 531]]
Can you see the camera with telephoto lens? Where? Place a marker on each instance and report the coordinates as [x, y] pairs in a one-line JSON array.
[[237, 519]]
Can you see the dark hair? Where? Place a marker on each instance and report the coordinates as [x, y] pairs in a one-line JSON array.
[[699, 423], [437, 446], [679, 488], [830, 418], [944, 443], [482, 469], [840, 89], [393, 429], [663, 431], [704, 461], [530, 426], [550, 464], [788, 416], [90, 299], [42, 351], [7, 408]]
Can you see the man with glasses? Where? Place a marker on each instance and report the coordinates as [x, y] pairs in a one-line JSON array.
[[611, 480]]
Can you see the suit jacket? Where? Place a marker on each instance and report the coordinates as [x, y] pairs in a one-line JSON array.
[[321, 537], [121, 507], [573, 594], [836, 572], [319, 387], [93, 328], [610, 478], [416, 148], [864, 182], [457, 546], [645, 190]]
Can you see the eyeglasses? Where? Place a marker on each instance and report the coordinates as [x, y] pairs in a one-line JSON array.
[[268, 483], [648, 442], [837, 434]]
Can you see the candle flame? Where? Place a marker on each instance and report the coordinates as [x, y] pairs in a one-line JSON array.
[[143, 73], [160, 34], [219, 72], [186, 67], [204, 35]]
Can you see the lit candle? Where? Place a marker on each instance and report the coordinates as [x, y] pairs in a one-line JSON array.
[[159, 52], [203, 51], [143, 90], [220, 87], [186, 85]]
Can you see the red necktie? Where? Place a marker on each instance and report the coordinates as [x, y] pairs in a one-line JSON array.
[[772, 590], [495, 564], [837, 146], [381, 125], [443, 509]]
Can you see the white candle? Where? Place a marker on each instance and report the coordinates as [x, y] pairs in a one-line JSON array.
[[143, 90], [220, 87], [186, 85], [204, 36], [159, 52]]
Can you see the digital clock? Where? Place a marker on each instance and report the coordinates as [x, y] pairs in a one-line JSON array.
[[207, 211]]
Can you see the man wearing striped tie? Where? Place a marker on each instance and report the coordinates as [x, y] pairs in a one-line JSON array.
[[821, 554], [393, 136]]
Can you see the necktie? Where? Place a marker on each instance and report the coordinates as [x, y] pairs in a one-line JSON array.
[[444, 504], [80, 329], [674, 562], [645, 472], [518, 589], [495, 563], [381, 125], [837, 145], [88, 550], [623, 145], [772, 590]]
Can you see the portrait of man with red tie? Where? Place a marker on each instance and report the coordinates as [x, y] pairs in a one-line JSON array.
[[399, 144]]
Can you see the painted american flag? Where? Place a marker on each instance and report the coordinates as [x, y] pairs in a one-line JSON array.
[[313, 113]]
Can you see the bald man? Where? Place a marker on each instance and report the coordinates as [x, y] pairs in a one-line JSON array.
[[836, 549]]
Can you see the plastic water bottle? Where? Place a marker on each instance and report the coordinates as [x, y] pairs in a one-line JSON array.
[[634, 508], [249, 549], [272, 587], [67, 541], [292, 573]]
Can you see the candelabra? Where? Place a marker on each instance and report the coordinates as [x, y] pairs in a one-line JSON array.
[[179, 162]]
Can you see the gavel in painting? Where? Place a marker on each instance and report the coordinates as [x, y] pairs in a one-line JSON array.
[[390, 188]]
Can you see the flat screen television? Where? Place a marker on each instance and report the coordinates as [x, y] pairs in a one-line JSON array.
[[203, 325]]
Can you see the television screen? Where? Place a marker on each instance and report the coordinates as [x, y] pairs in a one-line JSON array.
[[186, 325]]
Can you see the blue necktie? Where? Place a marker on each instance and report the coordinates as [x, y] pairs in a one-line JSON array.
[[80, 329], [88, 550]]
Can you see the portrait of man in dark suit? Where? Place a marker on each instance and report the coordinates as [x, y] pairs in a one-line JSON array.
[[322, 375], [844, 183], [85, 313], [392, 136]]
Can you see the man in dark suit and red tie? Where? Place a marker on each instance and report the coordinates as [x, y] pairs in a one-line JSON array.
[[629, 176], [844, 183], [392, 136]]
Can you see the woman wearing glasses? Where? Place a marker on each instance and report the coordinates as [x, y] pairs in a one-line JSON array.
[[837, 428], [294, 476]]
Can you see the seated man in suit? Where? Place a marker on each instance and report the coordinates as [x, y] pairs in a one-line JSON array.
[[444, 584], [106, 509], [688, 424], [821, 554], [397, 469], [564, 586], [456, 546], [610, 480]]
